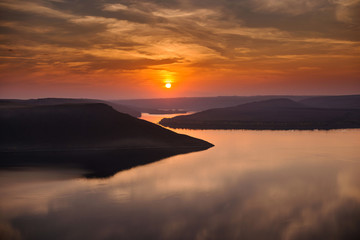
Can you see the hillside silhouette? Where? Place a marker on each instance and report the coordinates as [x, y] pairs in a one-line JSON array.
[[274, 114], [349, 101], [93, 136], [57, 101]]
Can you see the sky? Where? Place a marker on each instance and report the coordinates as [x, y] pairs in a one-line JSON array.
[[118, 49]]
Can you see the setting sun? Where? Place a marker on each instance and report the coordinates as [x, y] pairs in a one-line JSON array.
[[168, 85]]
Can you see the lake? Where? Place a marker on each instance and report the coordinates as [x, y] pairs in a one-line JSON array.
[[251, 185]]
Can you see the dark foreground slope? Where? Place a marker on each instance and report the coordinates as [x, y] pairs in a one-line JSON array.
[[90, 136], [276, 114]]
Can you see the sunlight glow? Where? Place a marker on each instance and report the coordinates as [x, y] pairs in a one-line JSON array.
[[168, 85]]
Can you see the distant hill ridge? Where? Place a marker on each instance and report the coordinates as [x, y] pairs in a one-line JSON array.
[[204, 103], [349, 101], [273, 103], [274, 114]]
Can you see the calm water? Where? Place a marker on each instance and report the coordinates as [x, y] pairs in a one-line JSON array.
[[251, 185]]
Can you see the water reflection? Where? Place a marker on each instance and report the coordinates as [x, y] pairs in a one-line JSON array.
[[251, 185]]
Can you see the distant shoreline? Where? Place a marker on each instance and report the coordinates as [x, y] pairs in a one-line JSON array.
[[240, 126]]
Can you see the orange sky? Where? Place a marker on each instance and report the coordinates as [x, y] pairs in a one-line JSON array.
[[129, 48]]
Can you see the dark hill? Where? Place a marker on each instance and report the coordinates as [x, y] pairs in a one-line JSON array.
[[56, 101], [349, 101], [93, 136], [270, 114]]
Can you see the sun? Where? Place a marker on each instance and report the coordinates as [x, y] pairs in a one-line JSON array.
[[168, 85]]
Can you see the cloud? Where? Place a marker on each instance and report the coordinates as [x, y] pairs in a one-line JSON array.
[[291, 7], [33, 7], [114, 7], [178, 13], [347, 10]]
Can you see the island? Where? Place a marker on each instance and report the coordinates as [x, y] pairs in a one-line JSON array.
[[273, 114], [92, 136]]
